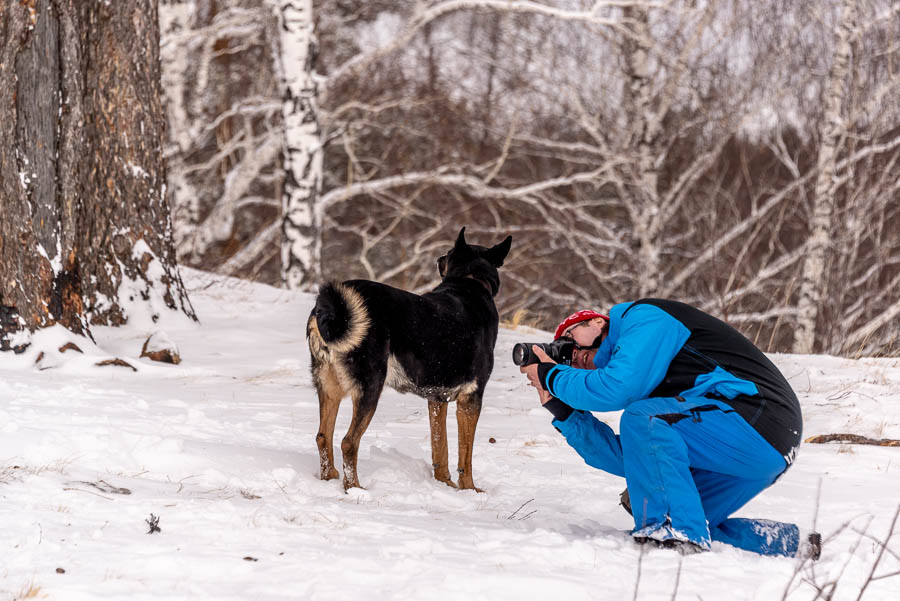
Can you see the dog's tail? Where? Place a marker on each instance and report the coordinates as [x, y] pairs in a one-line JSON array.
[[339, 320]]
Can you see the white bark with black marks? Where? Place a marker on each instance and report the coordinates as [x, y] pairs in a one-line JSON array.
[[302, 217], [813, 278]]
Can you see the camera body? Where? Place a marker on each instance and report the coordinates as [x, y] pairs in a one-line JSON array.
[[559, 350]]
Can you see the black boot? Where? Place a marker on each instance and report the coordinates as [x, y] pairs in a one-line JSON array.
[[811, 547], [625, 501]]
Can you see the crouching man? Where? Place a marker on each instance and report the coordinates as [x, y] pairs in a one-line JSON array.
[[708, 422]]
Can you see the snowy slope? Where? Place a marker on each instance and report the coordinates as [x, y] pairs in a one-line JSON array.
[[221, 449]]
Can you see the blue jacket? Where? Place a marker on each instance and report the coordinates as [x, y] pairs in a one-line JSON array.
[[663, 348]]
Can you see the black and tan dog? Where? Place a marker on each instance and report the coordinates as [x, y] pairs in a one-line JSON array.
[[364, 335]]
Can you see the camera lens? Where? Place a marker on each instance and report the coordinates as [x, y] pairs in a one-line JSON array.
[[519, 352]]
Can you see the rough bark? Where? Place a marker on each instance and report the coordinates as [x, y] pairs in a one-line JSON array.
[[302, 218], [85, 236]]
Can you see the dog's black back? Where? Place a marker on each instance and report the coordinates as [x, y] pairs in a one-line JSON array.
[[439, 345], [442, 339]]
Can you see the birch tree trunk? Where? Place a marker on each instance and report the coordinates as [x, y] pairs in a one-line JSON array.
[[174, 19], [85, 236], [813, 278], [644, 129], [302, 218]]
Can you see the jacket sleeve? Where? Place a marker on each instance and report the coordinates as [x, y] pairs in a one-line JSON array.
[[648, 341], [594, 440]]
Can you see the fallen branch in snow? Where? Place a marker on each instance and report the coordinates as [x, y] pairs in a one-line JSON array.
[[854, 438], [117, 362]]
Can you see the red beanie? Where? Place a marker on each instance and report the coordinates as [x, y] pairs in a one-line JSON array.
[[577, 317]]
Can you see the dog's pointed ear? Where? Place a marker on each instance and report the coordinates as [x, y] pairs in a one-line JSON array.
[[461, 239], [497, 254]]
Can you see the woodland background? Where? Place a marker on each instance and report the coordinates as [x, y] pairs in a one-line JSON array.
[[706, 151], [738, 155]]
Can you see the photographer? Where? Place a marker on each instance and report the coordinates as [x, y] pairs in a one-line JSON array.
[[708, 422]]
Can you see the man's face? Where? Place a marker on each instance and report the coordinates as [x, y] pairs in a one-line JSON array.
[[585, 333], [583, 358]]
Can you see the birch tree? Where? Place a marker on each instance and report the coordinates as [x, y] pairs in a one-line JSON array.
[[86, 236], [225, 134], [302, 217], [644, 132], [814, 276]]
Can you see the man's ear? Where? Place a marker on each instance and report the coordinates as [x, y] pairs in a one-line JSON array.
[[497, 254]]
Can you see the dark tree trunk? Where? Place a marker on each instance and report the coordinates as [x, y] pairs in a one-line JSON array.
[[85, 233]]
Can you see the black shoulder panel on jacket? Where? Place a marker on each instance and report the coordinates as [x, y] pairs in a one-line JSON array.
[[713, 343]]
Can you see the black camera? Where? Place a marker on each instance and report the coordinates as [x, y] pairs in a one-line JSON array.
[[559, 350]]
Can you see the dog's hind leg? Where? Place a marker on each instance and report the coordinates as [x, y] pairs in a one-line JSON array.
[[330, 393], [437, 419], [468, 408], [364, 404]]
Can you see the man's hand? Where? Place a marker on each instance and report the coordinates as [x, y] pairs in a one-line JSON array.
[[532, 372]]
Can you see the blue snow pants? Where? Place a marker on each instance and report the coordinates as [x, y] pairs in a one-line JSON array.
[[689, 464]]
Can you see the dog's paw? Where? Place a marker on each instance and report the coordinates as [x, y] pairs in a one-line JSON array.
[[469, 486], [330, 474], [352, 484]]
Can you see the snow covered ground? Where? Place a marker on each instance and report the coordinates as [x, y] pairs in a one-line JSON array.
[[221, 449]]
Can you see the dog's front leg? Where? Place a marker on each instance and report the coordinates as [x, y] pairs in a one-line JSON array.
[[468, 408], [437, 419]]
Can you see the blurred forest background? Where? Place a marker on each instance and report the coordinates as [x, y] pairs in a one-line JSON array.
[[738, 155]]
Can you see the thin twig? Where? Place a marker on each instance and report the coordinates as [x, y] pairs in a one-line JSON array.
[[637, 581], [884, 545], [677, 578], [90, 493], [513, 514], [888, 575]]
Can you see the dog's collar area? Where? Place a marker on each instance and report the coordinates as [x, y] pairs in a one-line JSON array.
[[486, 285]]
